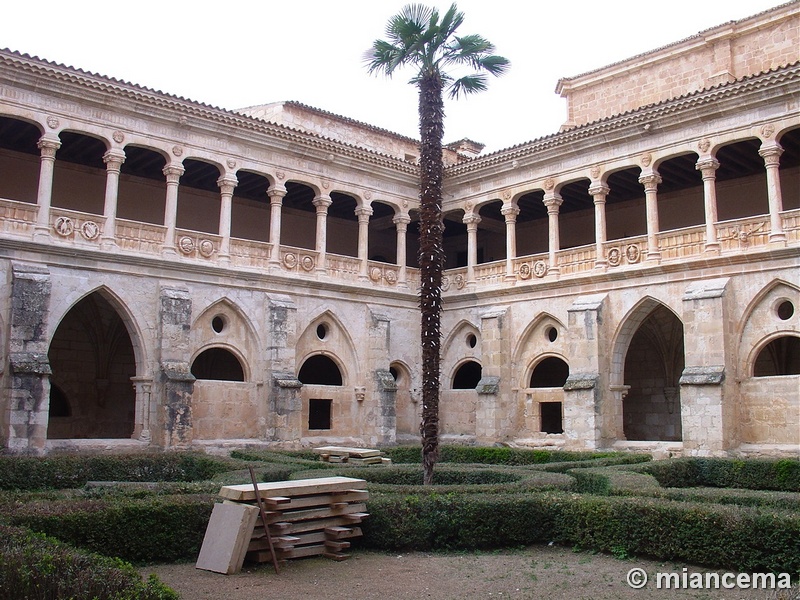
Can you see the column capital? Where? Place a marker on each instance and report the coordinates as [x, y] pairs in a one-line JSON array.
[[707, 164], [363, 211], [114, 159], [650, 180], [48, 146], [771, 153], [599, 189], [471, 219], [510, 212], [322, 202], [552, 200], [173, 172], [401, 219], [278, 190], [227, 183]]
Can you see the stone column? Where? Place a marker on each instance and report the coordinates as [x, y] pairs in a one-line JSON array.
[[771, 153], [322, 203], [510, 212], [143, 387], [363, 213], [401, 221], [48, 146], [176, 379], [384, 392], [472, 220], [599, 192], [276, 194], [285, 402], [590, 418], [650, 181], [226, 183], [493, 414], [708, 418], [173, 174], [113, 159], [553, 200], [708, 168], [29, 379]]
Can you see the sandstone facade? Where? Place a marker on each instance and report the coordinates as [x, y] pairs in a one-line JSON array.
[[181, 276]]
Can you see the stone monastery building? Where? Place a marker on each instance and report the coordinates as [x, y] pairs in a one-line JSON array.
[[177, 275]]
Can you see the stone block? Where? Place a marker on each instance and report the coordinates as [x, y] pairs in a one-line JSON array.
[[227, 537]]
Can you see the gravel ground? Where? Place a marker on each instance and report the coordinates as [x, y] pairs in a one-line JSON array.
[[547, 572]]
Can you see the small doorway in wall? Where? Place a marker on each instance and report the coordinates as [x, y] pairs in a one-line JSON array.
[[551, 417], [319, 413]]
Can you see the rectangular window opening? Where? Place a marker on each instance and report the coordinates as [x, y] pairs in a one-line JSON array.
[[551, 418], [319, 413]]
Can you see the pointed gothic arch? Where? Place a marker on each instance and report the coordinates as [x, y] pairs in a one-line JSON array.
[[648, 361], [93, 358]]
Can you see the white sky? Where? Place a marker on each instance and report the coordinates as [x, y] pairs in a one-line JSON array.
[[242, 53]]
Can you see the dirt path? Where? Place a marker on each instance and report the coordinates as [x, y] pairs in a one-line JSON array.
[[549, 573]]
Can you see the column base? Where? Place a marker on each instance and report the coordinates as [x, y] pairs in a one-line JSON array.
[[41, 233]]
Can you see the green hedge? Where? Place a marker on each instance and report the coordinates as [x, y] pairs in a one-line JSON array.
[[153, 529], [703, 534], [36, 567], [754, 474], [497, 455], [30, 473], [451, 479]]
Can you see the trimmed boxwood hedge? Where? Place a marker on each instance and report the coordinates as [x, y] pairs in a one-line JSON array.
[[620, 508], [754, 474], [152, 529], [502, 455], [702, 534], [71, 471], [35, 566]]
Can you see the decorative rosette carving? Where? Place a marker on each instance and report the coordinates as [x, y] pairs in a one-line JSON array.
[[445, 283], [118, 136], [375, 274], [632, 253], [53, 122], [186, 244], [390, 277], [64, 226], [290, 260], [614, 257], [90, 230], [460, 281], [525, 271], [540, 268], [307, 263], [206, 248]]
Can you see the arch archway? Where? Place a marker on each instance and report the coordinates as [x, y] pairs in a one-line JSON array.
[[92, 358], [654, 362], [779, 357], [467, 375], [217, 364]]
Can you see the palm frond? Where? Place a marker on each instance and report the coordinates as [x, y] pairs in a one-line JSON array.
[[469, 84]]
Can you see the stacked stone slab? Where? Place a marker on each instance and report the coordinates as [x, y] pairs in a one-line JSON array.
[[309, 517]]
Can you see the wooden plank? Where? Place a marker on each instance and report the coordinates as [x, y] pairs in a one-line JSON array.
[[316, 525], [345, 451], [227, 538], [372, 460], [321, 500], [292, 516], [335, 556], [245, 492], [334, 546], [303, 539]]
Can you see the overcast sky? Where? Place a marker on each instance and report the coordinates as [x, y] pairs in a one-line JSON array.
[[242, 53]]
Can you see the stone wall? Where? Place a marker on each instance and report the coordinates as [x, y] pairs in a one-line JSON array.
[[714, 56]]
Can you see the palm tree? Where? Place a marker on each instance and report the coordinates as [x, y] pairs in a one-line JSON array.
[[417, 37]]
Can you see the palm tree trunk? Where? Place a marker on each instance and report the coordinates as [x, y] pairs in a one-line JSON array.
[[431, 262]]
